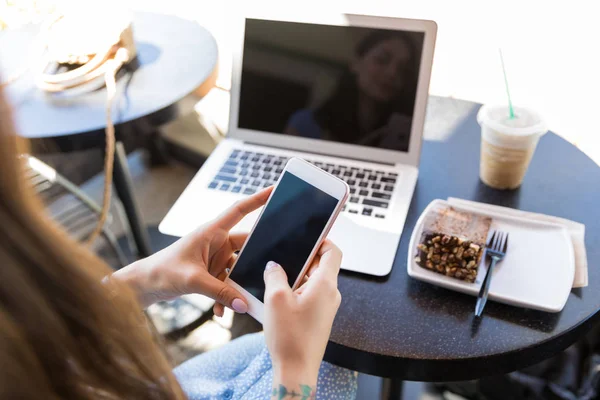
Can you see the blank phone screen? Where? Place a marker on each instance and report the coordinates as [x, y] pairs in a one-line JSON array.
[[286, 233]]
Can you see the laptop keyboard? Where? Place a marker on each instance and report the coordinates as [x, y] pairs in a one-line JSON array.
[[247, 172]]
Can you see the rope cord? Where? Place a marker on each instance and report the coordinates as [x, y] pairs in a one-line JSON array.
[[109, 157]]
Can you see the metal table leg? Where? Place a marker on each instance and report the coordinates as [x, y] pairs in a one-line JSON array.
[[157, 149], [124, 187], [391, 389]]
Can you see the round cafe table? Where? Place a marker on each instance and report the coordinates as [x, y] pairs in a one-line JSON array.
[[400, 328], [174, 57]]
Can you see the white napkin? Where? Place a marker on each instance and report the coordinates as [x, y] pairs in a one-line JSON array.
[[575, 229]]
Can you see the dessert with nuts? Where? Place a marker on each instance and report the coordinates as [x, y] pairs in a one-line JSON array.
[[453, 243]]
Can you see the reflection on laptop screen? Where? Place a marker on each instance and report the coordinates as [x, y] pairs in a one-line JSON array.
[[345, 84]]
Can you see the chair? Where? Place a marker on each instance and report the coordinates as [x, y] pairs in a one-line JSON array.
[[74, 209]]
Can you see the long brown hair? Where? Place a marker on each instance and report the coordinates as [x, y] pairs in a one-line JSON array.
[[63, 333]]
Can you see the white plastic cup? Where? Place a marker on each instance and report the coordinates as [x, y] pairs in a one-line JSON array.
[[507, 144]]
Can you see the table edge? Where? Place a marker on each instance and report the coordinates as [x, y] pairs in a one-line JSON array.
[[446, 370]]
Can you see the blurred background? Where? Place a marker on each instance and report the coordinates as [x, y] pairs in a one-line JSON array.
[[550, 50]]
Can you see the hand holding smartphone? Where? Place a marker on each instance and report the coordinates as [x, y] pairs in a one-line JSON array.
[[292, 225]]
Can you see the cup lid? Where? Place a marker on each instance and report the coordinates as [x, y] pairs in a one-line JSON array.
[[526, 121]]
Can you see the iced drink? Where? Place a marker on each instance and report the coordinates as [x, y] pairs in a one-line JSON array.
[[507, 144]]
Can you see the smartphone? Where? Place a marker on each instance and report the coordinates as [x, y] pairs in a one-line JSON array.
[[292, 225]]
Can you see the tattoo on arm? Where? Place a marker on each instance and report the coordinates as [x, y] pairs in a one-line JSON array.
[[306, 393]]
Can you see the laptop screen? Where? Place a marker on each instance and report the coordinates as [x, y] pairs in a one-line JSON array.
[[338, 83]]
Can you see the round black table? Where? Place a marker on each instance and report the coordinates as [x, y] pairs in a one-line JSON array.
[[174, 58], [401, 328]]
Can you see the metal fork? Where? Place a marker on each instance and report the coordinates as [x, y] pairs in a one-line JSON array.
[[496, 250]]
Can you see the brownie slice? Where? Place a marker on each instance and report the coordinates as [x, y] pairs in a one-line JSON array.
[[453, 243]]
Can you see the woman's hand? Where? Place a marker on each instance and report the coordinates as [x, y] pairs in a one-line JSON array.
[[298, 323], [196, 263]]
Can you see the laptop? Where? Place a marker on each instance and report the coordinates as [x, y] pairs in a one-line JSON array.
[[347, 93]]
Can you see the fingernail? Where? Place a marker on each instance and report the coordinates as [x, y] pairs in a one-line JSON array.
[[270, 264], [239, 306]]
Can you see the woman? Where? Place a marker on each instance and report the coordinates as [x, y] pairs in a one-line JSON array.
[[374, 99], [70, 330]]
